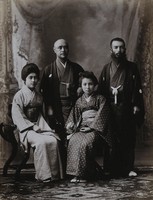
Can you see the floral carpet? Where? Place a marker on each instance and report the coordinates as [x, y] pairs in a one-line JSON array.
[[27, 188]]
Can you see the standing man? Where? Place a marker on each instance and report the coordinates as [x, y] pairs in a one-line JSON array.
[[59, 84], [120, 83]]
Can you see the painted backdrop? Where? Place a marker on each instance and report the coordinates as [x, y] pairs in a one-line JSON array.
[[29, 29]]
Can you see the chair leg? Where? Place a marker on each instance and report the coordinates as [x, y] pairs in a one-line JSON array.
[[22, 165], [11, 158]]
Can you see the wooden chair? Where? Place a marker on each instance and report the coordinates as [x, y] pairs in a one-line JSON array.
[[7, 133]]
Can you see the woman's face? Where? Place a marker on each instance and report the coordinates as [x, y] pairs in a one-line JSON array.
[[31, 81], [87, 86]]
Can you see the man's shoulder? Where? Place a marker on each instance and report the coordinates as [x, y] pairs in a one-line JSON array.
[[105, 67], [49, 67], [107, 64], [76, 65], [131, 65]]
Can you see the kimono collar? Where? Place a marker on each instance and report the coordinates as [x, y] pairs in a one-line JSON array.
[[64, 65], [60, 63], [115, 64], [28, 91], [88, 98]]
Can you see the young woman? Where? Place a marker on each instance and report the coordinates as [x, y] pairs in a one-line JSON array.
[[26, 114], [89, 128]]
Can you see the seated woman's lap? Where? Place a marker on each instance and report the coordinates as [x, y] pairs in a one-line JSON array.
[[85, 139], [35, 138]]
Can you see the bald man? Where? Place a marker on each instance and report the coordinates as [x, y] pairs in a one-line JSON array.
[[59, 84]]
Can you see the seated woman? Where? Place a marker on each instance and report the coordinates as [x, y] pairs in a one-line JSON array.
[[26, 115], [89, 127]]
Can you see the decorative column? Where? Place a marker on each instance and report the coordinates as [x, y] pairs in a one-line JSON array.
[[6, 71], [145, 60]]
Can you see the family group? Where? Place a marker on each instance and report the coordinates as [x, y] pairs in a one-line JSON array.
[[73, 117]]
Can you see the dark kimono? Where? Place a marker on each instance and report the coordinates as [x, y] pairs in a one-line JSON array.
[[127, 79], [82, 147], [59, 89]]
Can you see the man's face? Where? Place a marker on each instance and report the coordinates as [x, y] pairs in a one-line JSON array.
[[61, 49], [118, 49]]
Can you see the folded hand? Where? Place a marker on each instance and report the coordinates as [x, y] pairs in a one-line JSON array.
[[85, 129]]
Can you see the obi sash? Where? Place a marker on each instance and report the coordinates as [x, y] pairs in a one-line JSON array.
[[32, 112], [88, 117]]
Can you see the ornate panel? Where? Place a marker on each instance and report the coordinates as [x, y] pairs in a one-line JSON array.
[[145, 60], [6, 69]]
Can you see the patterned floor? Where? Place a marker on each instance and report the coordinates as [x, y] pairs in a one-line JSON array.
[[140, 187]]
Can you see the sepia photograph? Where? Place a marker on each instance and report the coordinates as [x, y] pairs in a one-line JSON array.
[[76, 108]]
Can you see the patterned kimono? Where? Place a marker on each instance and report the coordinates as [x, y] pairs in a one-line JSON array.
[[82, 147], [26, 112]]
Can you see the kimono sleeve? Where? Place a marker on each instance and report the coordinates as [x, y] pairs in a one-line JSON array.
[[101, 123], [102, 117], [18, 116], [138, 97], [75, 115]]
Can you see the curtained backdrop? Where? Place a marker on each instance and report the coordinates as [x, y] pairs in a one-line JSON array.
[[88, 26]]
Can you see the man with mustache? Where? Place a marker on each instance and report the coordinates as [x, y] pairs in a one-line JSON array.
[[120, 83], [59, 84]]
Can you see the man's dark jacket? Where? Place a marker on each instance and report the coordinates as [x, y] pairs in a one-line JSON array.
[[50, 88], [132, 89]]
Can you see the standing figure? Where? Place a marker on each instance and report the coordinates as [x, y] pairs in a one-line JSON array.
[[89, 129], [59, 84], [26, 114], [120, 83]]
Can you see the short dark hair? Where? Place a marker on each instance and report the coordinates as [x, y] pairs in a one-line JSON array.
[[28, 69], [88, 74], [117, 39]]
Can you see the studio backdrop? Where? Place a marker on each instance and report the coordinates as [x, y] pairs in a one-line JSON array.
[[28, 30]]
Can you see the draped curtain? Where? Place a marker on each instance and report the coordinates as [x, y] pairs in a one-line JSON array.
[[28, 29], [88, 25], [144, 57], [35, 13], [30, 45]]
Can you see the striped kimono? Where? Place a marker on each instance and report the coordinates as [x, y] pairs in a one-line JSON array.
[[26, 112], [82, 147]]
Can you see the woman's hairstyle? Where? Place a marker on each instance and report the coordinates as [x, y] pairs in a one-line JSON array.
[[87, 74], [28, 69]]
